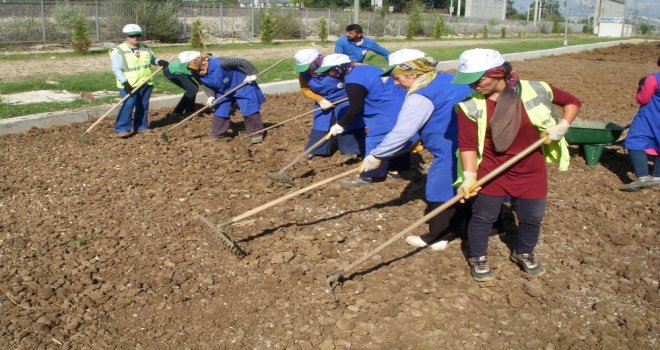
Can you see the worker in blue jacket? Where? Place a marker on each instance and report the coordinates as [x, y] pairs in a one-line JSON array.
[[325, 90], [428, 111], [379, 101], [355, 45], [221, 74]]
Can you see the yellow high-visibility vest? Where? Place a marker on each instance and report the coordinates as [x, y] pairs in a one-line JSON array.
[[136, 69]]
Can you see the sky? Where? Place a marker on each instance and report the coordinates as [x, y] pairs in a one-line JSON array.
[[650, 8]]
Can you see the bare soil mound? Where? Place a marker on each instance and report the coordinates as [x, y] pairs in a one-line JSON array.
[[100, 248]]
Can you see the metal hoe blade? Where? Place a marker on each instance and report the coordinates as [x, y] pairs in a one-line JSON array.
[[233, 248], [165, 137], [245, 147], [332, 281], [281, 178]]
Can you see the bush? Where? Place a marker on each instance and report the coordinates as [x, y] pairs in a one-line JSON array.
[[323, 28], [268, 23], [414, 19], [503, 32], [587, 29], [287, 26], [81, 38], [644, 29], [439, 28], [197, 34], [485, 32], [158, 19]]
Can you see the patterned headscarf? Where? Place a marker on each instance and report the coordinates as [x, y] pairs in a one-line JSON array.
[[198, 64], [505, 72], [505, 123], [424, 67], [315, 65]]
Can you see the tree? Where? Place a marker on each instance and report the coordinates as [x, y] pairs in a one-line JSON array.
[[267, 28], [197, 36], [323, 28], [81, 38], [439, 28], [414, 18]]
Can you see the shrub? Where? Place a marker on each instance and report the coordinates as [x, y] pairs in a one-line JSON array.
[[287, 26], [644, 29], [555, 27], [503, 32], [414, 19], [268, 23], [439, 28], [197, 34], [323, 28], [158, 19], [485, 32], [81, 38]]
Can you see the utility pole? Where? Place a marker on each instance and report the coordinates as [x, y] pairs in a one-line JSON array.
[[566, 23], [451, 7], [536, 11], [356, 11]]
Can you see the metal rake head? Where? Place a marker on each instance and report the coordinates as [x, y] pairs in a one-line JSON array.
[[165, 137], [224, 239], [247, 150], [84, 138], [332, 281], [281, 178]]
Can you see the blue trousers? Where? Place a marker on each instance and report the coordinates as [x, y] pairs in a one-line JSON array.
[[138, 101], [640, 163], [486, 210]]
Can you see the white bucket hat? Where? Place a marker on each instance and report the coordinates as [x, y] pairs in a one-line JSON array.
[[402, 56], [187, 56], [472, 64], [332, 60], [132, 29], [304, 59]]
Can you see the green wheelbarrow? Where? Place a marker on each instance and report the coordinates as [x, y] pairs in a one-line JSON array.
[[593, 136]]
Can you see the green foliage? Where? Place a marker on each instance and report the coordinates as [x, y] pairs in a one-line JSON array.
[[197, 34], [555, 27], [439, 28], [268, 23], [587, 29], [484, 33], [66, 16], [503, 32], [158, 19], [414, 19], [287, 25], [323, 28], [544, 29], [644, 28], [81, 38]]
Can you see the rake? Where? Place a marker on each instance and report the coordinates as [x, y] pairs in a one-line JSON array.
[[337, 277], [281, 177], [165, 135], [84, 137]]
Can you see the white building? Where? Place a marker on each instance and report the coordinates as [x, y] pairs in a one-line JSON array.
[[490, 9], [609, 19]]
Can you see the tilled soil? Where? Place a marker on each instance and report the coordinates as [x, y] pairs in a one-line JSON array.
[[100, 246]]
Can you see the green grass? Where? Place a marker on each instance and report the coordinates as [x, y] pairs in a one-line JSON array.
[[105, 80]]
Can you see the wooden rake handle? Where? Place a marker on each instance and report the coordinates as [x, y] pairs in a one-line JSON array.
[[223, 96], [136, 88], [302, 155], [446, 205], [292, 118]]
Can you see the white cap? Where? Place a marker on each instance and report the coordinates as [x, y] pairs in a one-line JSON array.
[[332, 60], [472, 64], [132, 29], [402, 56], [187, 56], [304, 59]]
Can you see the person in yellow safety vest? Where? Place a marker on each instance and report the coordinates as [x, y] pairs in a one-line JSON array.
[[502, 117], [131, 65]]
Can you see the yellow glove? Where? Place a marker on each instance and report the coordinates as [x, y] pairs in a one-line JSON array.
[[467, 187], [417, 147]]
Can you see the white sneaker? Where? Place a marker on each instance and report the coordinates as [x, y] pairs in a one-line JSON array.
[[416, 241], [439, 245]]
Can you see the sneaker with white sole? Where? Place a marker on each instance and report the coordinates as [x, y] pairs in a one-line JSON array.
[[528, 263], [417, 241], [640, 183], [480, 269]]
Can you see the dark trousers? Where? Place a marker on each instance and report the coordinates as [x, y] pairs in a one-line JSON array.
[[486, 210], [187, 102], [448, 224], [640, 163]]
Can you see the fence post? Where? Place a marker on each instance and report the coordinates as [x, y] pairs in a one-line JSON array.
[[185, 23], [96, 15], [368, 22], [252, 20], [329, 23], [43, 22], [305, 24]]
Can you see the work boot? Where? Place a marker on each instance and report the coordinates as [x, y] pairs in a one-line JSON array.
[[219, 127], [528, 263], [123, 134], [479, 269], [173, 115], [640, 183]]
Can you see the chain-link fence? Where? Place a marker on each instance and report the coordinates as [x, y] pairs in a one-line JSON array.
[[48, 21]]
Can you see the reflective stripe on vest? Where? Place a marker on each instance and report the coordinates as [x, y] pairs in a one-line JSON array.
[[135, 69]]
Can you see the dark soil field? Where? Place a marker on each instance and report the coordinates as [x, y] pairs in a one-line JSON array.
[[100, 246]]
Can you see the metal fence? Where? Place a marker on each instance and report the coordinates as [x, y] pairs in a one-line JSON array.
[[48, 22]]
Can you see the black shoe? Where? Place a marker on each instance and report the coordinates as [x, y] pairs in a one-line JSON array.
[[528, 263], [479, 269]]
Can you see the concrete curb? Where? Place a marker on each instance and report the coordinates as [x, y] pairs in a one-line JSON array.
[[50, 119]]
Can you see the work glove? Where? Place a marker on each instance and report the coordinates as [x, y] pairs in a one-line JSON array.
[[336, 130], [558, 131], [369, 163], [417, 147], [209, 102], [163, 63], [250, 78], [640, 84], [325, 104], [467, 187], [127, 87]]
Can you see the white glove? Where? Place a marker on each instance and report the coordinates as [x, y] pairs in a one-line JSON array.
[[325, 104], [558, 131], [250, 78], [209, 102], [467, 187], [369, 163], [336, 130]]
